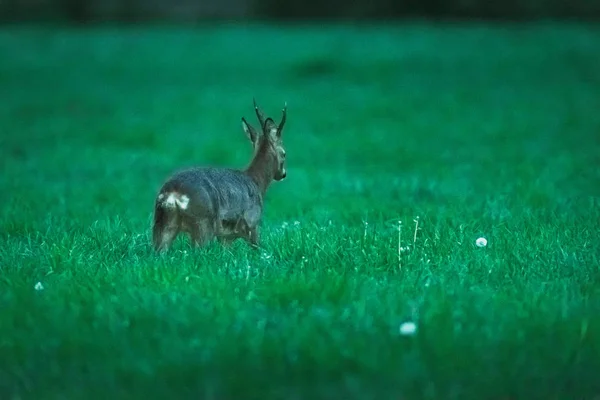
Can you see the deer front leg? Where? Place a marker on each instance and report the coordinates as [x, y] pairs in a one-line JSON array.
[[253, 237]]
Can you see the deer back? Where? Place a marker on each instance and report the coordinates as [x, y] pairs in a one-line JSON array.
[[217, 192]]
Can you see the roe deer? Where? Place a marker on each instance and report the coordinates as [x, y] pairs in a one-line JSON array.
[[222, 203]]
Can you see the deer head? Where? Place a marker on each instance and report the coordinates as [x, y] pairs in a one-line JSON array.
[[268, 162]]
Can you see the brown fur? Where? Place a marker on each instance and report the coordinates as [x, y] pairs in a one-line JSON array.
[[222, 203]]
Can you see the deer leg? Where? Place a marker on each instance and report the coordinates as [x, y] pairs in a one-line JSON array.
[[164, 230], [165, 239], [163, 236], [201, 233], [253, 237]]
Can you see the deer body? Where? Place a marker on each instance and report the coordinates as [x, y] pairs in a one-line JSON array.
[[222, 203]]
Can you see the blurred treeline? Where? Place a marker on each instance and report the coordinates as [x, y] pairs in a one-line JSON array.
[[197, 10]]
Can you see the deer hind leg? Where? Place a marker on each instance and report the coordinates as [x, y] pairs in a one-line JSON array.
[[165, 229], [201, 232]]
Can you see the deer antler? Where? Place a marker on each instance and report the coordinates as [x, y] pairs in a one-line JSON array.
[[283, 118], [260, 115]]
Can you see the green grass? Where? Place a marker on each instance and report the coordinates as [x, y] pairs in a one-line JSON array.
[[478, 131]]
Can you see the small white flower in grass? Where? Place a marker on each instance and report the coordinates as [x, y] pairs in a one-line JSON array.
[[296, 223], [408, 328], [38, 286], [481, 242]]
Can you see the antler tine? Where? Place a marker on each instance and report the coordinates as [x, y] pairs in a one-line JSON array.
[[259, 115], [283, 117]]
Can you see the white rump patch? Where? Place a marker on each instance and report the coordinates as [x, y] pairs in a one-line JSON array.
[[183, 201], [174, 200]]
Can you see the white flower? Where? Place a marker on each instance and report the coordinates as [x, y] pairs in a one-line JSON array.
[[481, 242], [38, 286], [408, 328]]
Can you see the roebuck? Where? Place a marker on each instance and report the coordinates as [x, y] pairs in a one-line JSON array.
[[222, 203]]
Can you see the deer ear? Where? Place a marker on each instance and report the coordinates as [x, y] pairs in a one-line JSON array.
[[270, 128], [250, 131]]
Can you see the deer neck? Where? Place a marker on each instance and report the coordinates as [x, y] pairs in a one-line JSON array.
[[261, 169]]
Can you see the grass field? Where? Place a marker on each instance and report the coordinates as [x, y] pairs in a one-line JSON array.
[[474, 130]]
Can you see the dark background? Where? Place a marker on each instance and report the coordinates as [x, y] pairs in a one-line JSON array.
[[83, 11]]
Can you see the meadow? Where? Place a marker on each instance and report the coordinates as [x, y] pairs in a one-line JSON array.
[[472, 130]]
